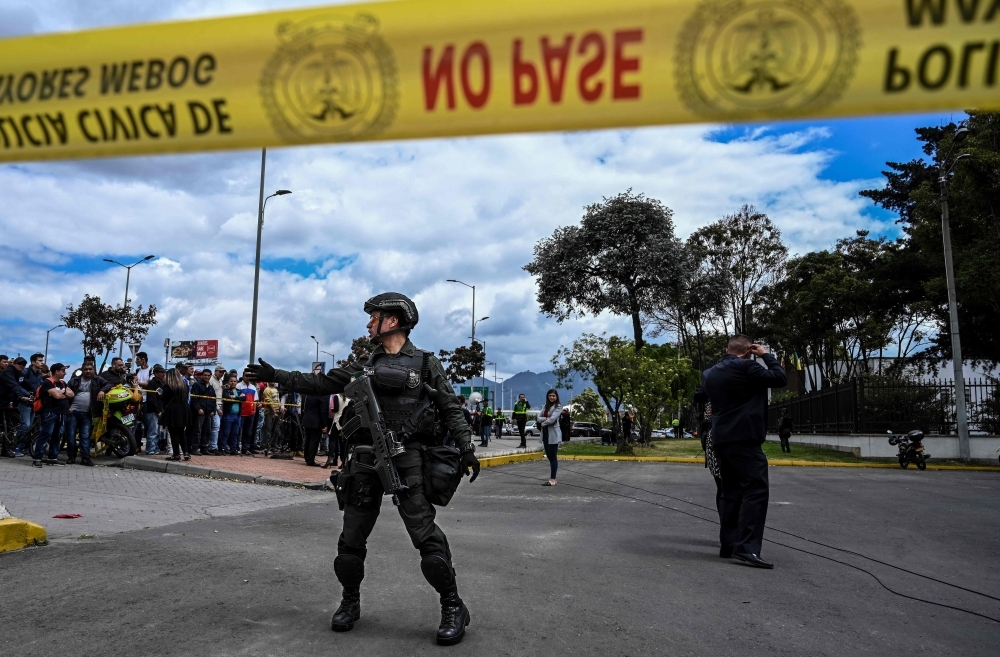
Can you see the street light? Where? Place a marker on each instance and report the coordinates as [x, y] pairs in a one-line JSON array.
[[47, 340], [256, 269], [490, 362], [333, 359], [317, 345], [128, 275], [473, 287], [961, 421]]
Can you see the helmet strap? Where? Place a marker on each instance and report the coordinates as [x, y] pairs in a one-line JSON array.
[[378, 329]]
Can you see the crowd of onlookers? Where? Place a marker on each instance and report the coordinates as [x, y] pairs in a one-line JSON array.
[[184, 411]]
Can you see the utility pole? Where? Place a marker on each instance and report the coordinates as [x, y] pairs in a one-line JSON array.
[[961, 419]]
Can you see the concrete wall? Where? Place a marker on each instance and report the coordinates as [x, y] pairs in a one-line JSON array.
[[982, 448]]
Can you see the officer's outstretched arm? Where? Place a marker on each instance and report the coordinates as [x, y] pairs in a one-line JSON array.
[[331, 383]]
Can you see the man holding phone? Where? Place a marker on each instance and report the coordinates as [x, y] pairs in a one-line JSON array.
[[737, 388]]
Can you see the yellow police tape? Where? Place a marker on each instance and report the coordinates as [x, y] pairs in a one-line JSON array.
[[432, 68]]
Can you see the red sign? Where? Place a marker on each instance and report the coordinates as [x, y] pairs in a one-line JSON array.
[[206, 349]]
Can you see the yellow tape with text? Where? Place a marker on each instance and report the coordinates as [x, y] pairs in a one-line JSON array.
[[436, 68]]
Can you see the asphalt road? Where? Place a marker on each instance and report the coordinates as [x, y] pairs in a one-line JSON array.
[[590, 567]]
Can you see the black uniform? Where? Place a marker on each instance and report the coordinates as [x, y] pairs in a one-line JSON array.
[[365, 499]]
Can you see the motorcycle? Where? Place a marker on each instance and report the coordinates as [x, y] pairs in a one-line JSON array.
[[911, 449], [118, 435]]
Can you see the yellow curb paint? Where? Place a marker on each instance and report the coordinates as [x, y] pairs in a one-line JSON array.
[[784, 462], [493, 461], [16, 534]]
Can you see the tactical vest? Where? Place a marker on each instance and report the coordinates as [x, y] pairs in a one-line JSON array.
[[398, 407]]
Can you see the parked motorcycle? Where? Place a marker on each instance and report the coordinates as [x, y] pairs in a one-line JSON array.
[[122, 405], [911, 449]]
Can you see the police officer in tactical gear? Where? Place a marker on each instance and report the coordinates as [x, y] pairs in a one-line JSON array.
[[391, 317]]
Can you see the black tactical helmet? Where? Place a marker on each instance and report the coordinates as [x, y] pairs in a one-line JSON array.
[[396, 304]]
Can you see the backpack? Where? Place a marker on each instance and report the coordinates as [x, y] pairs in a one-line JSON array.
[[37, 405]]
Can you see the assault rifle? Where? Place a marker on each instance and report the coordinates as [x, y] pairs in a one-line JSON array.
[[385, 444]]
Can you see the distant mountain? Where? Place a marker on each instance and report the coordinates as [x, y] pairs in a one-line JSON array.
[[533, 386]]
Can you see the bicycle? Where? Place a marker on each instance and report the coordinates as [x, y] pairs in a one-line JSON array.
[[8, 430]]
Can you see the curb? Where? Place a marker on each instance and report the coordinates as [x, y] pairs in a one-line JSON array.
[[16, 534], [494, 461], [782, 462], [171, 467]]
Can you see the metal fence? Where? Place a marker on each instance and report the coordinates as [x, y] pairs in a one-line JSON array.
[[881, 404]]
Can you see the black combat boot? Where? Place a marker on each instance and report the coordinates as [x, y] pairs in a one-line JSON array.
[[349, 611], [350, 570], [454, 617]]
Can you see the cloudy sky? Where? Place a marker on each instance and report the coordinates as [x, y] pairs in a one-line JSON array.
[[400, 216]]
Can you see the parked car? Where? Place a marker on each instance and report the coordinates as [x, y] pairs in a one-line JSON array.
[[532, 429], [586, 429]]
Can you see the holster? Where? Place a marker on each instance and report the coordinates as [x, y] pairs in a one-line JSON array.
[[354, 489]]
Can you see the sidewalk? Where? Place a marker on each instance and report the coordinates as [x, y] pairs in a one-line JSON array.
[[283, 472]]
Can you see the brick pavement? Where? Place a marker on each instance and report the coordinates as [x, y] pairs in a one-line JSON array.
[[115, 500], [258, 466]]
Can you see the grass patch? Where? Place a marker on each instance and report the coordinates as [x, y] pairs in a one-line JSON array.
[[692, 448]]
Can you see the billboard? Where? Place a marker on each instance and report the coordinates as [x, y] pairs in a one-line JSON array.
[[194, 350]]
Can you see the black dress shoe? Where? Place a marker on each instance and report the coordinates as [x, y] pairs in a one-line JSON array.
[[726, 553], [753, 560], [455, 617], [349, 611]]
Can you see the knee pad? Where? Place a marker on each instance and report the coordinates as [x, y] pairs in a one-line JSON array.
[[350, 569], [438, 572]]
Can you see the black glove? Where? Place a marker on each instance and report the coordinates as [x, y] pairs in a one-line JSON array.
[[262, 372], [469, 460]]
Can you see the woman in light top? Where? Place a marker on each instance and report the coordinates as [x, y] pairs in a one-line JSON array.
[[548, 420]]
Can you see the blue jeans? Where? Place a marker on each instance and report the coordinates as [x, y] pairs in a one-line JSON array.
[[229, 434], [152, 433], [26, 414], [50, 434], [486, 433], [552, 454], [78, 420], [213, 442]]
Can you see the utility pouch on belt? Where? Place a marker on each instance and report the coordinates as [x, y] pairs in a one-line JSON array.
[[442, 466]]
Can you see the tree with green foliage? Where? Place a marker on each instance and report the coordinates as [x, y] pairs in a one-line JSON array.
[[592, 357], [589, 408], [845, 310], [463, 363], [104, 325], [744, 254], [651, 381], [912, 191], [361, 351], [622, 258]]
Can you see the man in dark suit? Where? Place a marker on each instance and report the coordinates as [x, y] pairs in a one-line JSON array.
[[737, 388]]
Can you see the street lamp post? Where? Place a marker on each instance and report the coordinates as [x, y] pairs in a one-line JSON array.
[[256, 269], [317, 345], [961, 420], [474, 322], [128, 275], [333, 359], [47, 340]]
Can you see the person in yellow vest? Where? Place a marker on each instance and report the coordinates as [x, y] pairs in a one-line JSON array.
[[487, 424], [520, 416]]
